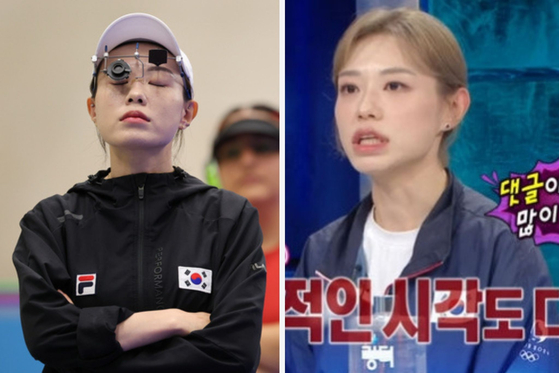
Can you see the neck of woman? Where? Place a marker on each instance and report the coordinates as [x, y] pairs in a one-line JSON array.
[[403, 198], [127, 162]]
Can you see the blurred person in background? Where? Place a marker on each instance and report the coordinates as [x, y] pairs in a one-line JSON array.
[[246, 149]]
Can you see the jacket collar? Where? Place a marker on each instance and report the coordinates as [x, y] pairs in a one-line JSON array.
[[433, 244], [169, 187], [99, 177]]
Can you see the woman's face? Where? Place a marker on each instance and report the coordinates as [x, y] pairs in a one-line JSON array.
[[141, 113], [254, 171], [389, 114]]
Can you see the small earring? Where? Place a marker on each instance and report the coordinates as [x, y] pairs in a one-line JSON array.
[[92, 105], [447, 126]]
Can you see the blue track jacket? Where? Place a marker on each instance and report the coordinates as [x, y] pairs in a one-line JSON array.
[[456, 240]]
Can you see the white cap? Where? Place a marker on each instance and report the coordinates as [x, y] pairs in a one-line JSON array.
[[141, 27]]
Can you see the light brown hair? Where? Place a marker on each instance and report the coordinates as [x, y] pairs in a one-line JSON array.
[[426, 41]]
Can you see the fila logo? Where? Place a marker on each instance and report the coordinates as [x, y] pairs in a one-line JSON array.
[[193, 278], [85, 284]]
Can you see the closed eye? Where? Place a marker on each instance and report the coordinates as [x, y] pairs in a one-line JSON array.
[[158, 84], [159, 77]]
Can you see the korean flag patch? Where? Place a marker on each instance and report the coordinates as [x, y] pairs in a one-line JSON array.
[[458, 312], [192, 278]]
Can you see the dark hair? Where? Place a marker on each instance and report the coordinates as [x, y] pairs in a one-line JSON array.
[[260, 107]]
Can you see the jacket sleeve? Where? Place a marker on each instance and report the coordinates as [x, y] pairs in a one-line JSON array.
[[520, 264], [299, 357], [55, 331], [231, 341]]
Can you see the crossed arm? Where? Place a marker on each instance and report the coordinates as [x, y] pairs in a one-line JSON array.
[[144, 328], [115, 339]]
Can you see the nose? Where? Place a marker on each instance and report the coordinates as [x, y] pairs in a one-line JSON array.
[[369, 105], [248, 157], [136, 94]]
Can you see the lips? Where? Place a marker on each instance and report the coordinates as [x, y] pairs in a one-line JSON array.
[[251, 179], [368, 142], [135, 114], [368, 137]]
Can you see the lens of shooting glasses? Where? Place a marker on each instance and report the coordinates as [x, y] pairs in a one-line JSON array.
[[119, 70]]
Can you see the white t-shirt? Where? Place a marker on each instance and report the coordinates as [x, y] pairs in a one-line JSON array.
[[387, 253]]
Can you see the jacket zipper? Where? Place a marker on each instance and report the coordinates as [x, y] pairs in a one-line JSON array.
[[416, 274], [140, 247]]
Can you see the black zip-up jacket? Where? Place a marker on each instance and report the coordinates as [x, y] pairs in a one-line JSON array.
[[135, 243]]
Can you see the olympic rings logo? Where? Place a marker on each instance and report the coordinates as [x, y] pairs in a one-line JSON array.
[[529, 356]]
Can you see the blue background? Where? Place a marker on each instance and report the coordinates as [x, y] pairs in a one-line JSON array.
[[14, 357]]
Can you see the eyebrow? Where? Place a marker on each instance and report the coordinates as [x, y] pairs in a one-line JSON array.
[[388, 71], [160, 68], [397, 70]]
